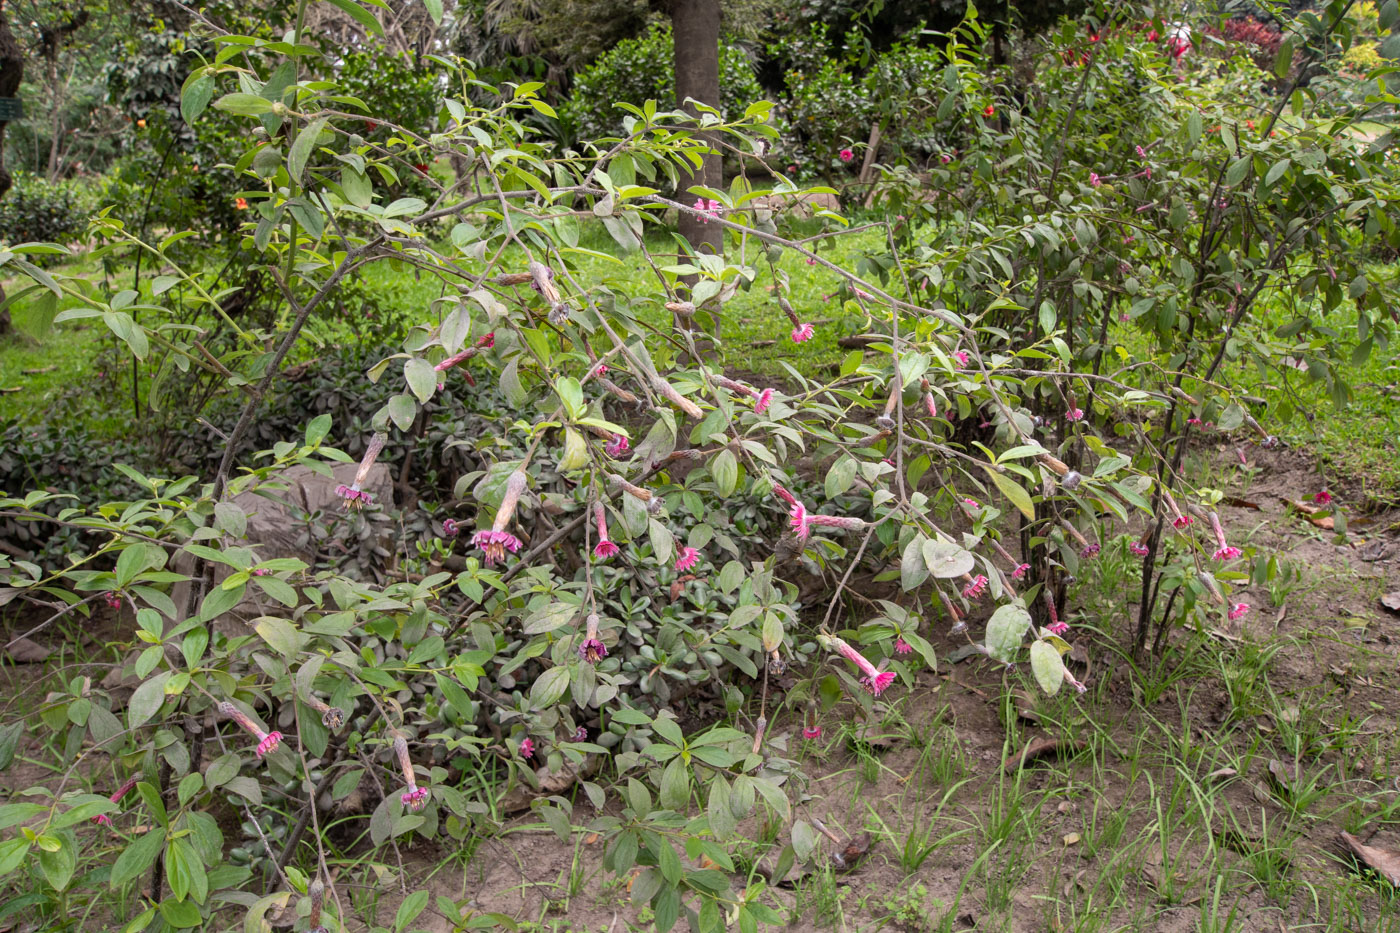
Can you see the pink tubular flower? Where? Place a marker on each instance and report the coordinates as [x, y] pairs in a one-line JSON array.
[[592, 649], [484, 343], [617, 446], [581, 734], [413, 797], [267, 741], [782, 493], [355, 497], [971, 504], [450, 527], [976, 588], [103, 819], [811, 261], [1020, 571], [961, 356], [605, 548], [1056, 627], [930, 406], [1089, 551], [1074, 414], [1141, 152], [1194, 422], [846, 522], [1138, 548], [765, 398], [847, 155], [1179, 521], [527, 748], [799, 521], [1238, 610], [901, 646], [688, 558], [1094, 179], [495, 543], [803, 332], [811, 732], [875, 680], [1323, 497], [708, 209], [1224, 551], [112, 600]]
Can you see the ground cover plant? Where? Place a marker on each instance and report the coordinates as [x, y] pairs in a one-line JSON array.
[[651, 625]]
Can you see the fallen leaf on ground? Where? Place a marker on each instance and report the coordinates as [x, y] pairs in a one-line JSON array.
[[24, 651], [1040, 748], [1239, 503], [1284, 775], [1382, 861], [1391, 601], [1221, 774], [1071, 839]]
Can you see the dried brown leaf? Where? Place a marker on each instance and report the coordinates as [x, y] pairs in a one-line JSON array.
[[1040, 748], [25, 651], [1382, 861]]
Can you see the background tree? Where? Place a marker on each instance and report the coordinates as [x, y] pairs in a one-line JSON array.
[[11, 76]]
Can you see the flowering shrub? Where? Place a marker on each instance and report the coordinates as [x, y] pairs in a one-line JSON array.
[[610, 544]]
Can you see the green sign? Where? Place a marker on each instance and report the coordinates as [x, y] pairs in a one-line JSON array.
[[11, 109]]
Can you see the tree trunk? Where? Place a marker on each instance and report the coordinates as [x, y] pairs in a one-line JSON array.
[[11, 76], [695, 28]]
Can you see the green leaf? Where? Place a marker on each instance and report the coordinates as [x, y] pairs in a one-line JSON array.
[[725, 470], [1005, 630], [121, 324], [195, 96], [675, 785], [721, 816], [422, 379], [145, 700], [571, 394], [180, 914], [402, 410], [1283, 59], [58, 865], [362, 16], [281, 635], [9, 738], [434, 8], [1048, 667], [841, 475], [912, 568], [137, 857], [946, 560], [1014, 493], [549, 687], [301, 148], [12, 853], [247, 105], [409, 909], [1237, 170], [1277, 170]]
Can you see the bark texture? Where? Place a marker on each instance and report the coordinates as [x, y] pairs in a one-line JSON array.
[[695, 27], [11, 76]]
